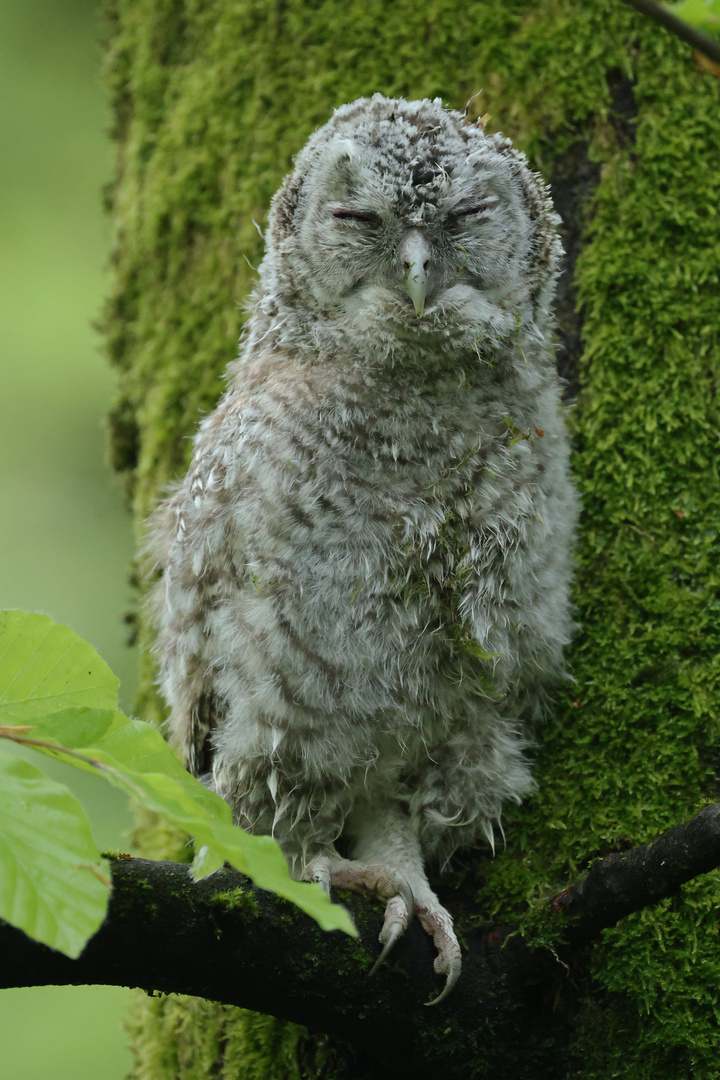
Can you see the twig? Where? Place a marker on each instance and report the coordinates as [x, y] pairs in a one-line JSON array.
[[679, 27], [631, 880]]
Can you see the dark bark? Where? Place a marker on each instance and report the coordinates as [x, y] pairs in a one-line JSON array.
[[630, 880], [573, 183], [248, 948]]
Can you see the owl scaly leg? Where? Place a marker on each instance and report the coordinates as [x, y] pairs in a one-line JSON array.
[[383, 833]]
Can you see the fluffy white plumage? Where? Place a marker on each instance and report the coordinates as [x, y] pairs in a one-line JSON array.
[[364, 591]]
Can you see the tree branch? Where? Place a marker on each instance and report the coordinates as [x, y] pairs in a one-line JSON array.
[[221, 939], [704, 44], [631, 880]]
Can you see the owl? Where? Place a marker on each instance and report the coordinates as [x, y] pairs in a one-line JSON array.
[[362, 597]]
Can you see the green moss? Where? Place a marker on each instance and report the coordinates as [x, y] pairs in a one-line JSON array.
[[154, 837], [211, 100], [236, 900], [175, 1036]]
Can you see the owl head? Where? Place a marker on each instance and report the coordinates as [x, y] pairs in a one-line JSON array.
[[402, 222]]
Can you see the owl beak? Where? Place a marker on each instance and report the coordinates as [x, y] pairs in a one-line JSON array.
[[415, 257]]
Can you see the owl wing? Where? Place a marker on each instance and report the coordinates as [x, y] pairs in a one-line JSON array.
[[195, 545], [197, 746]]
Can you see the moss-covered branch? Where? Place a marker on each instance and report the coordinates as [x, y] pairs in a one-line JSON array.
[[632, 880], [222, 940]]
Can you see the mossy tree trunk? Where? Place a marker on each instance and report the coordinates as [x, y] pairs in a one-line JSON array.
[[211, 100]]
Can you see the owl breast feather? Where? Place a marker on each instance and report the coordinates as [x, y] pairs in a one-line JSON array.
[[401, 546]]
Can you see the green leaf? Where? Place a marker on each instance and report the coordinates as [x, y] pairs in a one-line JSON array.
[[140, 749], [75, 727], [45, 667], [263, 861], [134, 757], [50, 869], [130, 752], [49, 682]]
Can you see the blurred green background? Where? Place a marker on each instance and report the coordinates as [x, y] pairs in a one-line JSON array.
[[65, 539]]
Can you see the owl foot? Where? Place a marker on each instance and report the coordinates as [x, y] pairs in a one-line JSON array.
[[393, 887], [436, 922], [398, 913], [367, 877]]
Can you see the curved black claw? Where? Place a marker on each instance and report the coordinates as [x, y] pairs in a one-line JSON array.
[[397, 926], [395, 932], [453, 974]]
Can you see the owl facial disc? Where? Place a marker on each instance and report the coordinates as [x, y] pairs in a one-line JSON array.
[[400, 222]]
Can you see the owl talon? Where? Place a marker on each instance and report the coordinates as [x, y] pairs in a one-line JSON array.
[[398, 913], [453, 974], [369, 877], [319, 873], [437, 923], [394, 933], [406, 893]]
